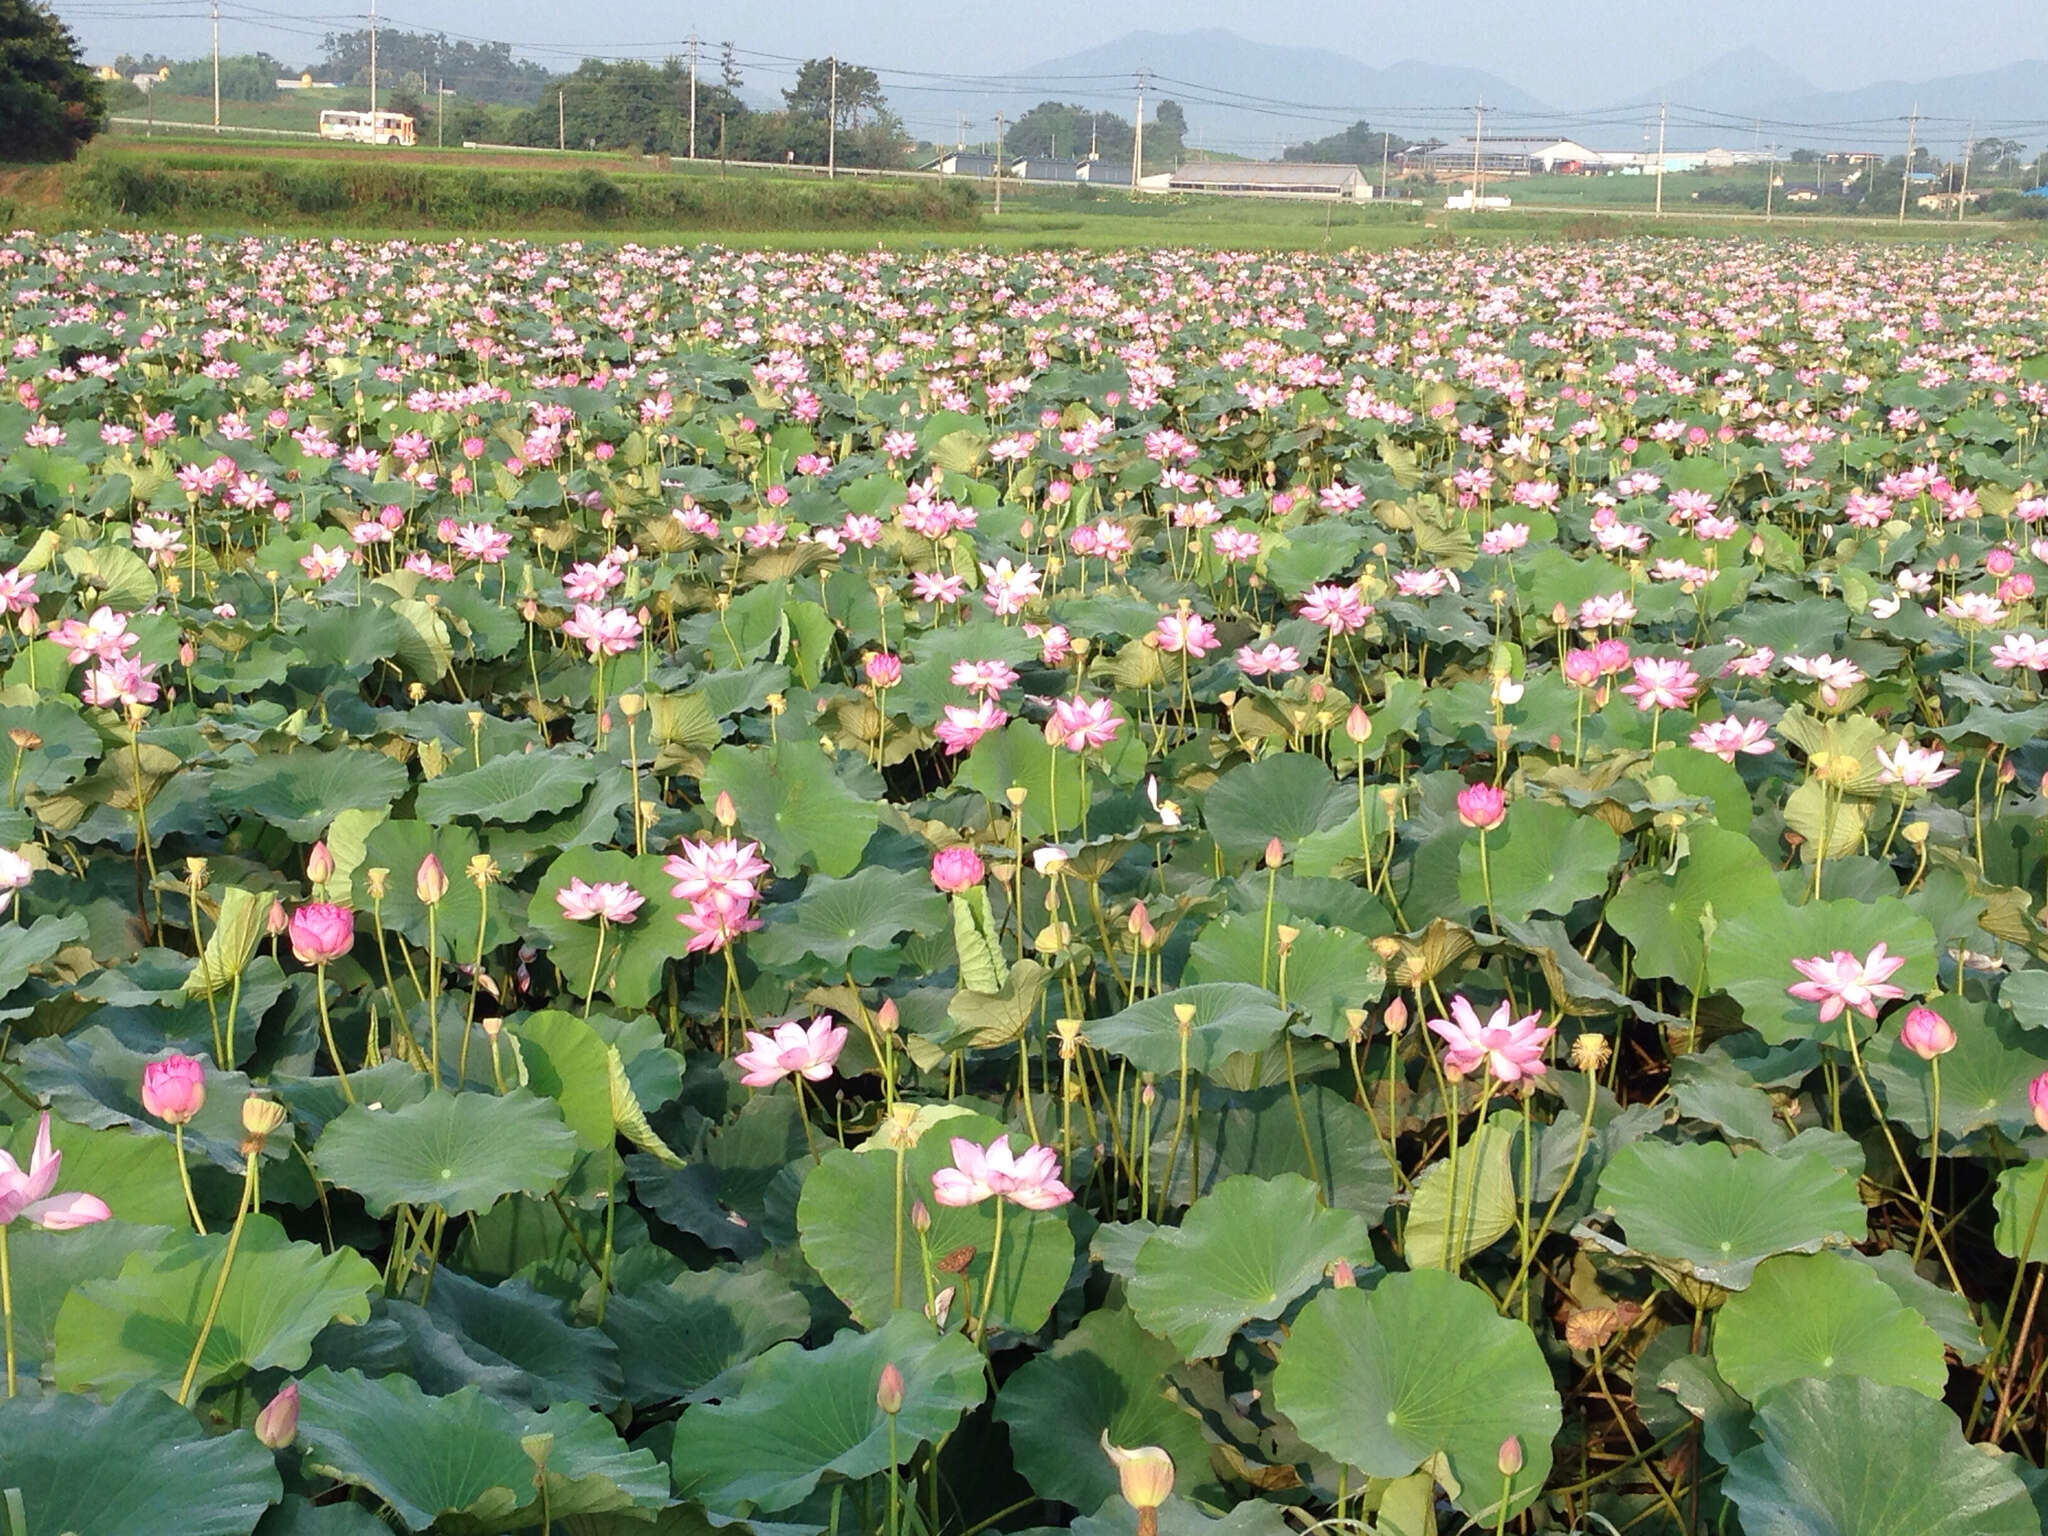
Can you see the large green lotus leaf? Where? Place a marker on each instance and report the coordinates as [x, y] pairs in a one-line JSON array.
[[1703, 774], [399, 846], [816, 934], [48, 1268], [136, 1175], [1260, 1134], [1848, 1457], [24, 947], [299, 1516], [1246, 1250], [634, 953], [507, 790], [1716, 1213], [1329, 970], [1290, 795], [1660, 914], [1753, 950], [424, 1456], [801, 1415], [1019, 755], [567, 1061], [1421, 1365], [69, 743], [2024, 994], [1983, 1080], [139, 1328], [91, 1077], [1180, 1516], [1448, 1224], [1948, 1314], [791, 798], [2022, 1227], [590, 1474], [1543, 858], [301, 792], [1232, 1018], [1106, 1377], [928, 675], [685, 1339], [511, 1340], [1823, 1314], [460, 1151], [845, 1218], [139, 1466]]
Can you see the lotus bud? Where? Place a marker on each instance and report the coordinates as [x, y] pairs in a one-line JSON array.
[[724, 811], [278, 1424], [261, 1117], [276, 924], [1343, 1277], [1276, 854], [1397, 1017], [920, 1216], [1927, 1034], [320, 864], [430, 883], [174, 1089], [1358, 725], [1145, 1478], [889, 1391], [1510, 1459]]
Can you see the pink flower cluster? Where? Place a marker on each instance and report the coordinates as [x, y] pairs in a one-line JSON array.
[[720, 879]]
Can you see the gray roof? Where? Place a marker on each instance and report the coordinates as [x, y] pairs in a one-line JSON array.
[[1265, 173]]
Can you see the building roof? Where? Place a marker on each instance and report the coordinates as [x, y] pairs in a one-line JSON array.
[[1266, 173]]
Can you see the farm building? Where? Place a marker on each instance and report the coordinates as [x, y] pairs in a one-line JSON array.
[[1507, 155], [1265, 178], [962, 162], [1104, 173], [1044, 168]]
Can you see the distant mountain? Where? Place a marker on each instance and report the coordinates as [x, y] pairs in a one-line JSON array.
[[1227, 85], [2016, 92], [1746, 81]]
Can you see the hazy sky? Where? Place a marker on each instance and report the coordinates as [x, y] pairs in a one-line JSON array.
[[1588, 49]]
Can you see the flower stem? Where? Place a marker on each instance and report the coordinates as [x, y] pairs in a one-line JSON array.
[[185, 1178], [988, 1284], [327, 1031], [596, 969], [227, 1263], [7, 1306]]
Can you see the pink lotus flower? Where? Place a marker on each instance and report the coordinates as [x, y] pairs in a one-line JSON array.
[[1340, 610], [963, 727], [1078, 724], [28, 1193], [1510, 1050], [1482, 806], [1927, 1034], [807, 1051], [1663, 683], [1187, 632], [322, 931], [883, 669], [724, 868], [1728, 736], [2037, 1095], [603, 631], [1840, 981], [1030, 1179], [1914, 767], [612, 900], [277, 1426], [957, 869], [174, 1089]]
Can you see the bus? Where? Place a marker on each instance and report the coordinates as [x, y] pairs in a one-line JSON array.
[[368, 127]]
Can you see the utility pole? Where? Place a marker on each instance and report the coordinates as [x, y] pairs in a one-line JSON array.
[[1383, 165], [561, 117], [693, 95], [1138, 142], [440, 112], [999, 162], [1770, 182], [832, 123], [1912, 144], [1969, 153], [1478, 150], [1663, 110], [373, 68], [216, 67]]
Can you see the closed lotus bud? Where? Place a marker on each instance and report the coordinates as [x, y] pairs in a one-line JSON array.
[[887, 1018], [1397, 1016], [889, 1391], [1927, 1034], [1358, 725], [174, 1089], [261, 1116], [277, 1426], [430, 884], [1144, 1475], [320, 864], [920, 1216], [1343, 1276], [1276, 855], [724, 811], [1510, 1460], [278, 922]]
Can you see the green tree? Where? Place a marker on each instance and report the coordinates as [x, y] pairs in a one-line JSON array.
[[483, 71], [1058, 128], [49, 102], [243, 77], [868, 133], [1357, 145], [1166, 134]]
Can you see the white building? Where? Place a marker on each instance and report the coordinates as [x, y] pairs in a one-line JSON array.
[[1271, 178]]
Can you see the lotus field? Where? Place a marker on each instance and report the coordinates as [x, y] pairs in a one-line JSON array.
[[671, 889]]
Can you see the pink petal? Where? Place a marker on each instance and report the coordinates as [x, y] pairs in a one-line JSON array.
[[62, 1213]]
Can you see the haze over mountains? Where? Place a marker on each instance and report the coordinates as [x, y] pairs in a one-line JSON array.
[[1247, 97]]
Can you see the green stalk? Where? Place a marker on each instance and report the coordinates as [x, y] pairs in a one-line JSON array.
[[220, 1284], [327, 1030]]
